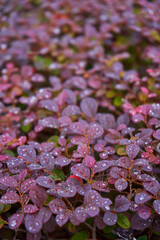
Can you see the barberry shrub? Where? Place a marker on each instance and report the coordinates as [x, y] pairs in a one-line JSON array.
[[80, 119]]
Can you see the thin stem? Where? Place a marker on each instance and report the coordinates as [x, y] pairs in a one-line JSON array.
[[94, 232]]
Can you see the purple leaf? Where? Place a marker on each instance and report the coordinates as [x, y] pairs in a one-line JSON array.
[[62, 161], [37, 78], [95, 131], [15, 220], [124, 162], [101, 186], [49, 122], [121, 184], [110, 218], [156, 134], [64, 121], [89, 107], [78, 128], [9, 198], [116, 172], [63, 190], [81, 171], [62, 218], [92, 210], [142, 197], [71, 110], [156, 205], [137, 118], [45, 181], [33, 223], [73, 218], [106, 120], [121, 204], [34, 166], [45, 214], [145, 133], [50, 225], [23, 174], [92, 197], [27, 185], [123, 119], [144, 177], [99, 221], [9, 181], [132, 150], [27, 152], [38, 195], [144, 212], [50, 105], [36, 236], [82, 151], [133, 206], [89, 161], [105, 204], [79, 140], [101, 166], [82, 190], [57, 206], [15, 162], [30, 208], [61, 98], [47, 161], [152, 187], [138, 223], [80, 213]]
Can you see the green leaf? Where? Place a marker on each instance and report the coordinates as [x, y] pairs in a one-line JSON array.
[[1, 223], [6, 208], [9, 152], [48, 199], [71, 227], [110, 94], [26, 128], [142, 237], [121, 151], [53, 139], [111, 235], [108, 229], [117, 101], [1, 207], [82, 235], [123, 221], [42, 63], [57, 174]]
